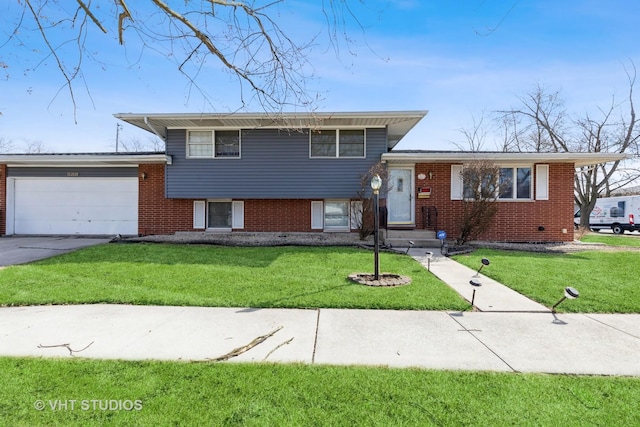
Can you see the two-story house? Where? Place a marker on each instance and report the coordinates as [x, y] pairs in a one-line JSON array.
[[290, 173]]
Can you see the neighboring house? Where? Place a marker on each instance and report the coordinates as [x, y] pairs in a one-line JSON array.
[[294, 173]]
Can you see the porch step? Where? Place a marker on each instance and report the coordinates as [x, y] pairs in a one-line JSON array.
[[420, 238]]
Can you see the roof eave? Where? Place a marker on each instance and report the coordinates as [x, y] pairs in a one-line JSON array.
[[578, 159], [96, 159], [398, 123]]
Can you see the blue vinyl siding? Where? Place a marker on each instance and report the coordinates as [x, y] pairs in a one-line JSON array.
[[273, 165]]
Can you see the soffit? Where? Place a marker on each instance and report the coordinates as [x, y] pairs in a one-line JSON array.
[[398, 123]]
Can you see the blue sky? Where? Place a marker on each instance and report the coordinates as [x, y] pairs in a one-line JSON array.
[[456, 59]]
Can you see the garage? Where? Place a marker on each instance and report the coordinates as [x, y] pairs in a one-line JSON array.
[[83, 206]]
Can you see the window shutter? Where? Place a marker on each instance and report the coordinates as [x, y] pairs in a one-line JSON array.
[[542, 182], [356, 214], [199, 214], [237, 214], [317, 215], [456, 182]]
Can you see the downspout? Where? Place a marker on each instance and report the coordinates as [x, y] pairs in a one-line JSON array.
[[153, 128], [159, 135]]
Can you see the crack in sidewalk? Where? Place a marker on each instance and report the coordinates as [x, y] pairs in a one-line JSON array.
[[471, 332]]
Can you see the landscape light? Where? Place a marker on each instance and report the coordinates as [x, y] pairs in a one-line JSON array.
[[569, 292], [429, 255], [411, 243], [484, 261], [476, 284]]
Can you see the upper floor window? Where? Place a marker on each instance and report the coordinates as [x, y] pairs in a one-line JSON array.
[[208, 144], [515, 183], [337, 143]]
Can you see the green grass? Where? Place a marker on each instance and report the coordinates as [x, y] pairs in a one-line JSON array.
[[607, 281], [609, 240], [197, 394], [200, 275]]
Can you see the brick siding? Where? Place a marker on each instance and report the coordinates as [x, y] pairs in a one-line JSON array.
[[158, 215], [516, 221]]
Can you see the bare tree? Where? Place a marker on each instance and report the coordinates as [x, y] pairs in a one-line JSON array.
[[543, 125], [35, 147], [474, 137], [242, 37], [481, 180], [136, 145], [6, 145]]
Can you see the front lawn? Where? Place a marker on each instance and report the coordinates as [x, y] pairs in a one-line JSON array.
[[610, 240], [65, 392], [607, 281], [216, 276]]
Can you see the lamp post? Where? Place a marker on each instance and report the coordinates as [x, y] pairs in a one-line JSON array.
[[376, 183]]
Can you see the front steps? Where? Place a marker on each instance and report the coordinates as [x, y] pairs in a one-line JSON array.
[[420, 238]]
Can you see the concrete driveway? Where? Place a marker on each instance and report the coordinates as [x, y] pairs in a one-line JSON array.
[[20, 250]]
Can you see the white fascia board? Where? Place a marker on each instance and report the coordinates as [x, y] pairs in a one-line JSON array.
[[93, 160], [579, 159]]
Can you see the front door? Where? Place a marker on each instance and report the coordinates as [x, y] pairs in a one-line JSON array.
[[400, 197]]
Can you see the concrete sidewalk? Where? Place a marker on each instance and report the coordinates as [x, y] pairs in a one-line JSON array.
[[512, 342]]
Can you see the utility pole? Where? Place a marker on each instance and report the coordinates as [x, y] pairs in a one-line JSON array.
[[118, 127]]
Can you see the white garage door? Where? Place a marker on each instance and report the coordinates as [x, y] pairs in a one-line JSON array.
[[89, 206]]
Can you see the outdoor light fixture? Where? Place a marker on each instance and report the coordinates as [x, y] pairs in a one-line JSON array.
[[376, 183], [475, 285], [430, 175], [144, 176], [484, 262], [569, 292], [429, 255], [411, 243]]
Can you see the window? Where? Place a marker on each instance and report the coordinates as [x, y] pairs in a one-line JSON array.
[[515, 183], [511, 183], [227, 143], [337, 143], [219, 215], [336, 215], [476, 186], [323, 143], [351, 143], [200, 144]]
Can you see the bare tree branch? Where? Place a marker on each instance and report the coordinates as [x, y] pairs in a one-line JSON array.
[[238, 351], [244, 38], [546, 127], [67, 346]]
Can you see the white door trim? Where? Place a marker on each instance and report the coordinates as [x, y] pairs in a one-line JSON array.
[[410, 190]]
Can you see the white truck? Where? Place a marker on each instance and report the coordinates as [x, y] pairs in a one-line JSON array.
[[620, 214]]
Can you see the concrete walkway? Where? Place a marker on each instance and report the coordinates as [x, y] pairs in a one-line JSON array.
[[510, 342], [510, 333], [490, 296]]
